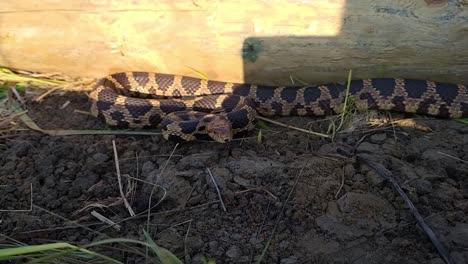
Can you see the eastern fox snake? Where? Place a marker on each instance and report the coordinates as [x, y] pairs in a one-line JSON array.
[[188, 108]]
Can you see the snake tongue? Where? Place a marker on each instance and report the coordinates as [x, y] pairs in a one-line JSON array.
[[220, 130]]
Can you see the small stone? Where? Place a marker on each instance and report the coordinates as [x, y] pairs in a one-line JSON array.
[[349, 171], [257, 240], [436, 261], [422, 186], [378, 138], [373, 178], [438, 155], [459, 235], [101, 157], [148, 167], [459, 257], [197, 259], [369, 148], [169, 238], [236, 237], [283, 244], [49, 182], [289, 260], [233, 252], [381, 240], [213, 246], [250, 167], [199, 160], [401, 242], [241, 181], [220, 175], [437, 222], [243, 259], [195, 242], [339, 230], [71, 164], [9, 166], [327, 148]]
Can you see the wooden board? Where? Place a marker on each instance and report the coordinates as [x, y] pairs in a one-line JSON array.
[[255, 41]]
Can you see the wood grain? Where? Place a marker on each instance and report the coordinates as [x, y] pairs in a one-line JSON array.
[[256, 41]]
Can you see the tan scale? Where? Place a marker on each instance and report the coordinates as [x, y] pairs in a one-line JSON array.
[[431, 91], [462, 96], [134, 84], [301, 100], [117, 84]]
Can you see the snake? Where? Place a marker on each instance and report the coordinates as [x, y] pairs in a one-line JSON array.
[[188, 108]]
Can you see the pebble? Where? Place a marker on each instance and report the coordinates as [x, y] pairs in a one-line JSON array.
[[213, 245], [283, 244], [71, 164], [233, 252], [289, 260], [199, 160], [459, 257], [459, 235], [242, 181], [374, 179], [147, 168], [101, 157], [378, 138], [221, 176], [195, 242], [243, 259], [422, 186], [327, 148], [236, 236], [435, 155], [9, 166], [436, 261], [369, 148], [250, 167], [349, 171]]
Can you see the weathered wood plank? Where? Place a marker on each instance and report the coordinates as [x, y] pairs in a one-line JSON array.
[[258, 41]]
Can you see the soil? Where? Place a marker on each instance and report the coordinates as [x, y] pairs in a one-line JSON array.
[[292, 193]]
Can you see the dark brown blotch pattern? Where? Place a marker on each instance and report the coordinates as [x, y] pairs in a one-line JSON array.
[[444, 100]]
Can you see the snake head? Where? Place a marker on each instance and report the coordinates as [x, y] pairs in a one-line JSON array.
[[220, 130]]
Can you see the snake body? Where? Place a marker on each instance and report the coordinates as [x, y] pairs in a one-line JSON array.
[[188, 108]]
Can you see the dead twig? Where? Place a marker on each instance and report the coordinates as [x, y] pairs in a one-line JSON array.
[[106, 220], [187, 259], [342, 183], [450, 156], [46, 93], [217, 189], [293, 127], [151, 196], [257, 189], [119, 179], [387, 175]]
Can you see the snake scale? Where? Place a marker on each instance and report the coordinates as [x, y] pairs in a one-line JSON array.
[[188, 108]]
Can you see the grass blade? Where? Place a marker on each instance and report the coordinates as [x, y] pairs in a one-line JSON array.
[[164, 255]]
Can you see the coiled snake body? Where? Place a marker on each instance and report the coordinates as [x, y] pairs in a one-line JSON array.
[[188, 108]]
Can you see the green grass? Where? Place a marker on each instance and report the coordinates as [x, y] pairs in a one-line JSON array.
[[4, 90], [348, 107], [54, 251], [20, 82], [462, 120], [6, 75]]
